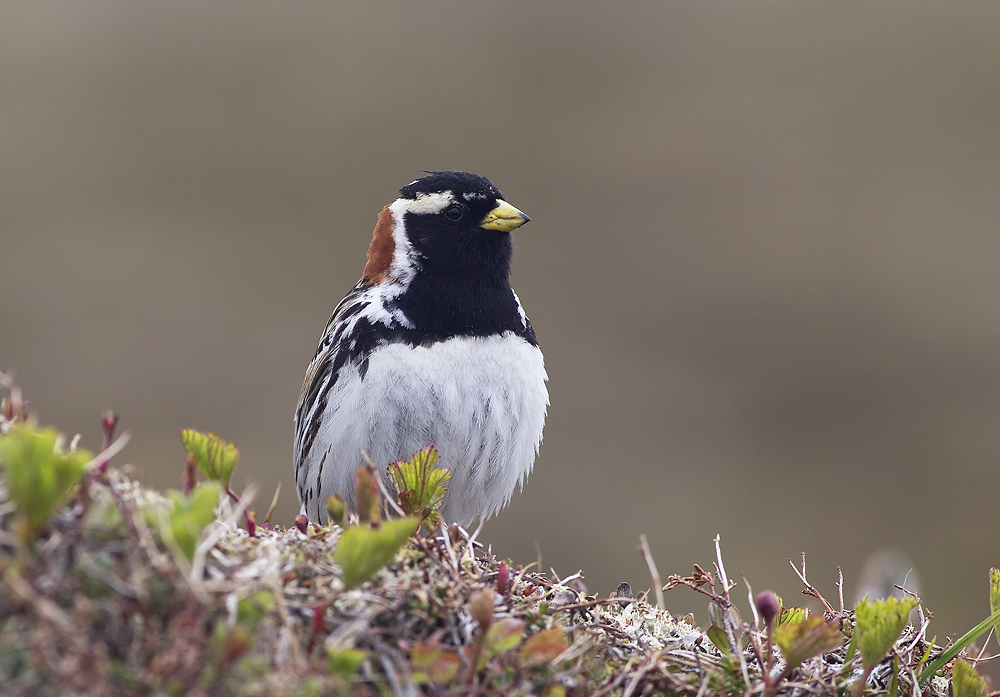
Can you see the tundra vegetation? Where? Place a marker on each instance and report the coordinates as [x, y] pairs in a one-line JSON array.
[[108, 587]]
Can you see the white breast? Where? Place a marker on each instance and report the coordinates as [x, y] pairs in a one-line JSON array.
[[480, 400]]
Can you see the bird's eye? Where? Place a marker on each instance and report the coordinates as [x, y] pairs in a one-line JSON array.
[[454, 211]]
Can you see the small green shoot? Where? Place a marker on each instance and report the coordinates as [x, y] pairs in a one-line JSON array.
[[215, 457], [878, 624], [344, 662], [420, 485], [967, 682], [791, 615], [367, 497], [850, 653], [788, 615], [362, 550], [186, 517], [800, 641], [40, 475], [336, 509], [925, 656]]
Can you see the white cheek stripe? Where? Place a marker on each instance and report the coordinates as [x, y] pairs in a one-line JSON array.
[[404, 258]]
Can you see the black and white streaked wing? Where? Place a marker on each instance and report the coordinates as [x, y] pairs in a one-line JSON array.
[[321, 374]]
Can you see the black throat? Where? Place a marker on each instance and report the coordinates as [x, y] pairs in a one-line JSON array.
[[445, 304]]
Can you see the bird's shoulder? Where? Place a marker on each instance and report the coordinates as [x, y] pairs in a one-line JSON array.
[[362, 306]]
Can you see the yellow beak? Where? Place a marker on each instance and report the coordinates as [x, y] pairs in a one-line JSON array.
[[504, 218]]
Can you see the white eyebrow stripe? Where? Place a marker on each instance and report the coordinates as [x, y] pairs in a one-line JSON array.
[[429, 203], [474, 195]]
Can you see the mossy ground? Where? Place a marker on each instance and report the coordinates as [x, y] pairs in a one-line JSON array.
[[103, 601]]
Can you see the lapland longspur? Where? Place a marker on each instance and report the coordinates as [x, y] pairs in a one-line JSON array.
[[431, 347]]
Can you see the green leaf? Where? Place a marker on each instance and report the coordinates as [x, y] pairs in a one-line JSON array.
[[503, 635], [852, 649], [420, 486], [791, 615], [878, 624], [344, 662], [215, 457], [894, 683], [191, 514], [543, 647], [436, 664], [39, 476], [362, 551], [966, 682], [718, 637], [800, 641], [715, 614], [925, 656], [185, 517], [254, 608]]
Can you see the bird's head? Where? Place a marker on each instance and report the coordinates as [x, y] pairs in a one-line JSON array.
[[444, 223]]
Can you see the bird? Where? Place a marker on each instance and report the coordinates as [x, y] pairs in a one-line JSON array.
[[431, 347]]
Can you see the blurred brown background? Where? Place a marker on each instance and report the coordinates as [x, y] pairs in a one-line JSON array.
[[763, 264]]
